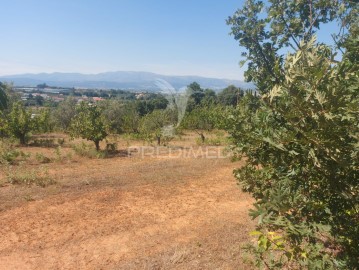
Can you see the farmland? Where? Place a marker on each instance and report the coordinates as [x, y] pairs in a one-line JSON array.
[[127, 211]]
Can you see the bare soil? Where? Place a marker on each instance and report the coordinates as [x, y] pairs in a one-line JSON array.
[[135, 212]]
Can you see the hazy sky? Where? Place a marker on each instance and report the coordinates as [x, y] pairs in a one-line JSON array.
[[175, 37]]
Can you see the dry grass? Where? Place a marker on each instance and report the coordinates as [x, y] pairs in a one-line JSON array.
[[126, 212]]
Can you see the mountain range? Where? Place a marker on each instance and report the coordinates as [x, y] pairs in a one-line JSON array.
[[126, 80]]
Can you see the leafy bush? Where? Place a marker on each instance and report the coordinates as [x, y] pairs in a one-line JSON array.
[[300, 138], [301, 144]]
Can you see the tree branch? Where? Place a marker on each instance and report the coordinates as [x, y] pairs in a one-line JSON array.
[[290, 32]]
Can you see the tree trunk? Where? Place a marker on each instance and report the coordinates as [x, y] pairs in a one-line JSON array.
[[202, 137], [158, 140], [97, 144], [22, 138]]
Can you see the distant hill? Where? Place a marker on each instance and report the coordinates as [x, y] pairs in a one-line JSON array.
[[129, 80]]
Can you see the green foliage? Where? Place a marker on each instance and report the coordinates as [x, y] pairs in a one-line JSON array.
[[210, 98], [89, 124], [201, 120], [20, 122], [230, 96], [300, 138], [113, 112], [121, 116], [9, 154], [21, 176], [150, 102], [301, 144], [3, 126], [85, 150], [43, 122], [196, 94], [40, 142], [59, 156], [268, 29], [130, 119], [158, 124], [3, 97], [64, 113], [41, 158], [36, 100]]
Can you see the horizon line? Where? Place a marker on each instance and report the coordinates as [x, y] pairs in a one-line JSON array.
[[103, 72]]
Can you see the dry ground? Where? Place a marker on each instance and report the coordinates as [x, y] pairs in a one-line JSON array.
[[163, 212]]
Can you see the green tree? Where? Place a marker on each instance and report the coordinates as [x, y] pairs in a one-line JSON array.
[[20, 122], [300, 139], [113, 112], [3, 97], [210, 98], [230, 96], [3, 106], [39, 100], [131, 118], [43, 121], [201, 120], [64, 113], [154, 124], [151, 102], [89, 124], [196, 94]]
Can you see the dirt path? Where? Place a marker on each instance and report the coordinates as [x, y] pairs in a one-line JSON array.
[[180, 220]]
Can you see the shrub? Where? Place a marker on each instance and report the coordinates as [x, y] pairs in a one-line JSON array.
[[42, 158], [300, 138], [302, 151], [9, 154], [43, 143], [85, 150], [21, 176]]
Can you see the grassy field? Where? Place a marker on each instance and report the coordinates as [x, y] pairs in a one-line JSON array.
[[167, 209]]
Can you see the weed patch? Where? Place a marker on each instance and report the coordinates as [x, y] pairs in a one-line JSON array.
[[9, 154], [21, 176], [85, 150]]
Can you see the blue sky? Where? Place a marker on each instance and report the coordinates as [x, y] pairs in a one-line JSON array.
[[187, 37]]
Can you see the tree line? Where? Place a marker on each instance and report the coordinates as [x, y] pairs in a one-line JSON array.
[[146, 117]]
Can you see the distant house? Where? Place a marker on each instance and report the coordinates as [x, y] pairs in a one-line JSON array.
[[58, 99], [95, 99]]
